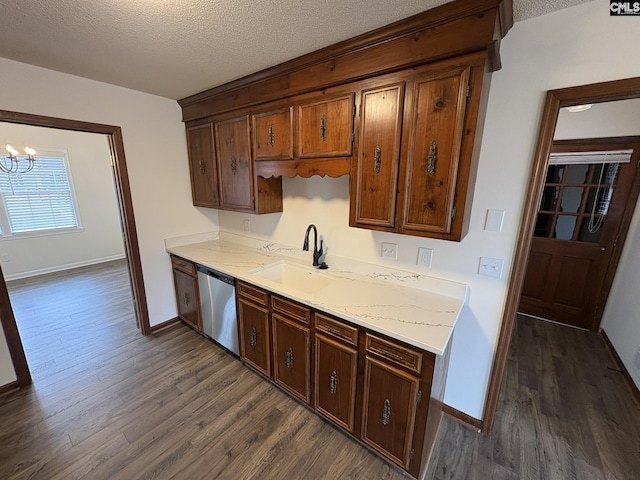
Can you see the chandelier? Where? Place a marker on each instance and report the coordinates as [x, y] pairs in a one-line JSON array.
[[13, 162]]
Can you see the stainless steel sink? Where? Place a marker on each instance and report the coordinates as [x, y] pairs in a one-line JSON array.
[[296, 277]]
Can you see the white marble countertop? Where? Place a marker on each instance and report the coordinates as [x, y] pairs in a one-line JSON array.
[[417, 309]]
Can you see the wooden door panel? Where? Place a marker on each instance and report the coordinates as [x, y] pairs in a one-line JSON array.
[[377, 166], [325, 128], [234, 164], [438, 108], [202, 165], [273, 135], [573, 282], [254, 336], [389, 410], [188, 299], [291, 355], [538, 271], [335, 381]]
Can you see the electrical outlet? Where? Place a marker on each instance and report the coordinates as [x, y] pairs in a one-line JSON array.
[[425, 255], [4, 257], [494, 220], [247, 225], [390, 250], [490, 267]]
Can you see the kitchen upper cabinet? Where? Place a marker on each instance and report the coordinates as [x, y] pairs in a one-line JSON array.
[[325, 127], [434, 136], [378, 156], [187, 295], [389, 410], [273, 135], [253, 324], [202, 165], [234, 163]]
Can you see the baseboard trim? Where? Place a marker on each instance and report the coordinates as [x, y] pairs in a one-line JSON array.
[[9, 387], [616, 358], [462, 417], [60, 268], [163, 325]]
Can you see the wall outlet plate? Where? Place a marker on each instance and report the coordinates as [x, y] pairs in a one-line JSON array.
[[4, 257], [425, 256], [490, 267], [247, 225], [389, 250]]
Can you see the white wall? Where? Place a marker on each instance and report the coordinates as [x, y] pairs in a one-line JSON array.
[[156, 155], [571, 47], [90, 167], [610, 119]]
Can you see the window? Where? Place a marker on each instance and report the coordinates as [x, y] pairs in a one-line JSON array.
[[39, 200]]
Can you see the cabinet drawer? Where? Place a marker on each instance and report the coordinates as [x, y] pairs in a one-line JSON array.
[[183, 265], [336, 329], [394, 353], [256, 294], [291, 309]]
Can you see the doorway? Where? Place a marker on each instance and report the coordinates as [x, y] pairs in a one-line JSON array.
[[125, 204], [587, 192]]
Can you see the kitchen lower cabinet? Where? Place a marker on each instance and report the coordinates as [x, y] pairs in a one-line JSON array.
[[335, 381], [291, 356], [389, 410], [187, 295], [255, 343]]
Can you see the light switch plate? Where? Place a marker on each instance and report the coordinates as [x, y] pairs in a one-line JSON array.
[[490, 267], [389, 250], [425, 256], [494, 220]]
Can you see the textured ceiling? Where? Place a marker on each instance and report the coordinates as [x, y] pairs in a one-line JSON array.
[[175, 48]]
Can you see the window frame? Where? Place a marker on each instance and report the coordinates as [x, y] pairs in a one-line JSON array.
[[5, 224]]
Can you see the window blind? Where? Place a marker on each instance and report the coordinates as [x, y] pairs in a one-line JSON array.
[[40, 199]]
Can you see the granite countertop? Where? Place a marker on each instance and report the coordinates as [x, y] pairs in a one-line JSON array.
[[417, 309]]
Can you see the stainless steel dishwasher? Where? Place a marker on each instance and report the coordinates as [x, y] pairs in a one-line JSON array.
[[218, 307]]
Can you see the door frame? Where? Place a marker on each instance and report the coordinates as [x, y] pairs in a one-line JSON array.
[[555, 99], [127, 221]]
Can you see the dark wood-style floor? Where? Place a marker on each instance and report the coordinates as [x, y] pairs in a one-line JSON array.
[[107, 403]]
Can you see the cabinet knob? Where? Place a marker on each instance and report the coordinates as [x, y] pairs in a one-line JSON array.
[[386, 412], [333, 382], [186, 298], [253, 336], [203, 168], [290, 358], [377, 159], [234, 165]]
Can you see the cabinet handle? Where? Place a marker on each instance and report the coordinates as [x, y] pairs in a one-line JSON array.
[[290, 358], [254, 337], [203, 168], [388, 354], [272, 136], [432, 157], [377, 159], [234, 165], [186, 299], [335, 331], [333, 383], [323, 127], [386, 412]]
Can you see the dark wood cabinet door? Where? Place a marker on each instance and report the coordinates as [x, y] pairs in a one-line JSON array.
[[436, 112], [202, 166], [273, 135], [255, 343], [188, 298], [335, 381], [378, 155], [325, 127], [389, 410], [234, 164], [291, 356]]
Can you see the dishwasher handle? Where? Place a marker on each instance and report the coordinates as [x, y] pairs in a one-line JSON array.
[[216, 275]]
